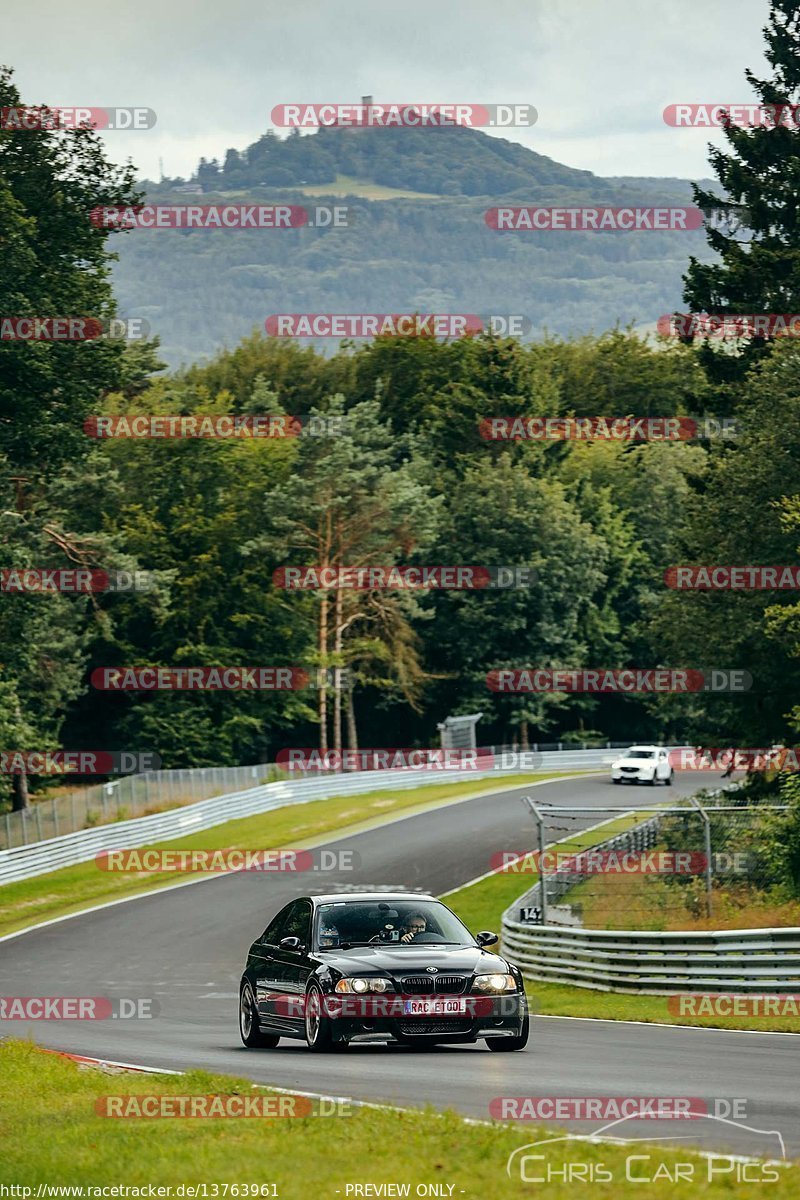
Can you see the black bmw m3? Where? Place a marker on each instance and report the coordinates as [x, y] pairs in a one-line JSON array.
[[378, 966]]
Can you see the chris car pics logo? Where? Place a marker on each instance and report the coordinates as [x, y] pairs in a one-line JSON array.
[[559, 1159]]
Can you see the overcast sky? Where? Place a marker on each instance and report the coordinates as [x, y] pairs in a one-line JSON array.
[[599, 72]]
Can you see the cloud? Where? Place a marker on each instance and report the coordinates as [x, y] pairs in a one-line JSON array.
[[600, 72]]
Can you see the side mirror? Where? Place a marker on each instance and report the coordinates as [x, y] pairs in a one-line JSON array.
[[486, 938], [290, 943]]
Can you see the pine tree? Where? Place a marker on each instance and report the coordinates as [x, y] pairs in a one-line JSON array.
[[759, 271]]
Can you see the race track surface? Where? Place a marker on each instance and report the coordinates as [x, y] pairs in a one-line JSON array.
[[186, 947]]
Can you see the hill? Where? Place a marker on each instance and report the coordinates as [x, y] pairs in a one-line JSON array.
[[418, 241]]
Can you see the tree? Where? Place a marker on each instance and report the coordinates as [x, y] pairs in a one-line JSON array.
[[758, 272], [185, 510], [56, 264], [353, 500], [740, 514], [505, 515], [53, 263]]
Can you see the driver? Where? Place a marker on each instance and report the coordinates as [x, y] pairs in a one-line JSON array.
[[414, 923]]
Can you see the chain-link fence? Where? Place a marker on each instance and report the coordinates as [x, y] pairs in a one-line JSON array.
[[718, 858], [127, 797]]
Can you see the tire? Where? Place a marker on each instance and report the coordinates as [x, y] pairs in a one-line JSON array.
[[616, 781], [249, 1032], [317, 1024], [668, 780], [651, 782], [507, 1044]]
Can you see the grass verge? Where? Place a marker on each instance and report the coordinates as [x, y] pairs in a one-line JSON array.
[[653, 902], [71, 889], [56, 1137], [348, 185], [481, 904]]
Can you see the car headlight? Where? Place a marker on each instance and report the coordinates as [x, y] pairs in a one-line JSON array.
[[494, 983], [361, 984]]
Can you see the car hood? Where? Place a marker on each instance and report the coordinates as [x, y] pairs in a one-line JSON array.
[[414, 961]]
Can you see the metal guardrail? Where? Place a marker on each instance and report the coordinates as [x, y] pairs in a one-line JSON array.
[[24, 862], [658, 963], [661, 964], [129, 796]]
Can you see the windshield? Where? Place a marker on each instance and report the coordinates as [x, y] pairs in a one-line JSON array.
[[641, 754], [400, 923]]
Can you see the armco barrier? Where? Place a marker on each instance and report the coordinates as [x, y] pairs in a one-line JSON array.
[[661, 964], [24, 862]]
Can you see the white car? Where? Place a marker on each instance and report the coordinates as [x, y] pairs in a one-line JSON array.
[[643, 764]]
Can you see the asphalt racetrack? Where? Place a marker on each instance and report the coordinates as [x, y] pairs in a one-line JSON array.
[[186, 947]]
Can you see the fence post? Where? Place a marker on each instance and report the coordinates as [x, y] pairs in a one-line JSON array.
[[55, 817], [38, 812], [540, 838], [707, 839], [8, 831]]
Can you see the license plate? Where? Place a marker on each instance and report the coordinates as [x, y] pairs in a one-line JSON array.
[[434, 1005]]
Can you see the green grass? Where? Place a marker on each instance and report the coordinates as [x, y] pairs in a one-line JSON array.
[[73, 888], [481, 905], [56, 1137], [561, 1000], [347, 185], [656, 903]]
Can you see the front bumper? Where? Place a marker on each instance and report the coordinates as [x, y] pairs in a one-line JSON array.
[[486, 1016]]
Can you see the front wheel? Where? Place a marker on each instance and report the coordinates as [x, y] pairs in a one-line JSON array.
[[317, 1023], [249, 1031], [506, 1044], [668, 780]]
